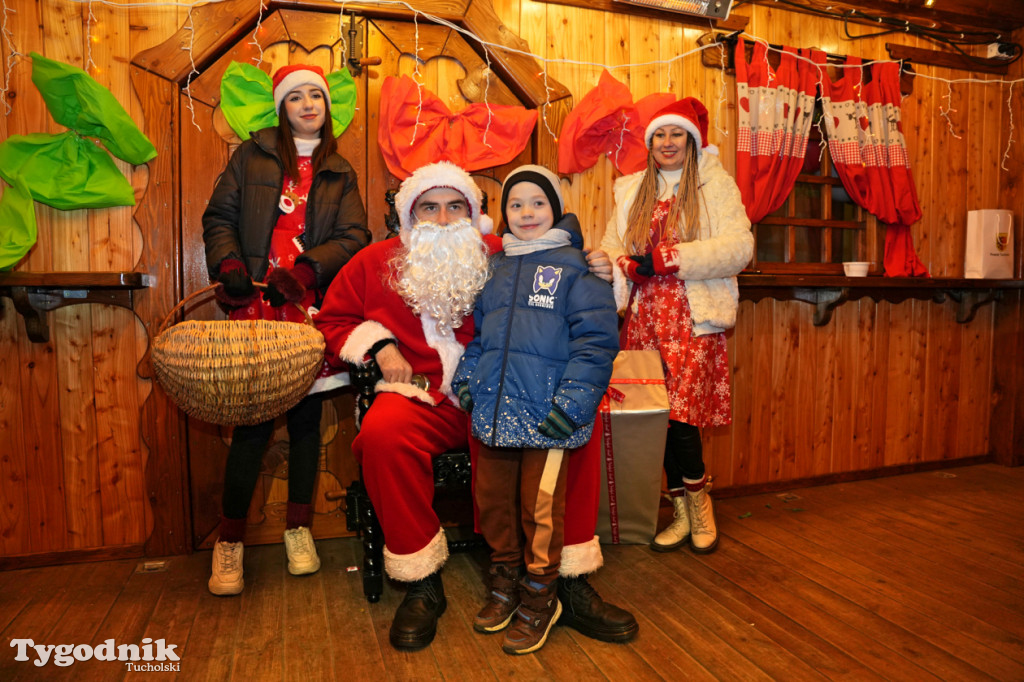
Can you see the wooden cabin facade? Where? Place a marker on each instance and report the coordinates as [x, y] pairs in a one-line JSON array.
[[96, 462]]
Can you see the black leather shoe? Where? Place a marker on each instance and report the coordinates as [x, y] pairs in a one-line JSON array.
[[415, 622], [585, 611]]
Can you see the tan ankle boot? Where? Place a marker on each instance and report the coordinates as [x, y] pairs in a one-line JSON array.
[[677, 532], [703, 531]]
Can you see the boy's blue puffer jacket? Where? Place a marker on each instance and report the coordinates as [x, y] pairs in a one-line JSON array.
[[546, 331]]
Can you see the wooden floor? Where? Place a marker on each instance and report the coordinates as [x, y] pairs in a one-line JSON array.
[[916, 577]]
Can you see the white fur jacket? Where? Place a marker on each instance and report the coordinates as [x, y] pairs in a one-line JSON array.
[[707, 266]]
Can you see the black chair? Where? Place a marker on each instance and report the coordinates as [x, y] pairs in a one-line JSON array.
[[452, 474]]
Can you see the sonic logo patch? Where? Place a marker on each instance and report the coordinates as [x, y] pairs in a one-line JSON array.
[[546, 279], [545, 284]]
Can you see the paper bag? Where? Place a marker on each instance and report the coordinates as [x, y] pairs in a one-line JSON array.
[[989, 250], [634, 415]]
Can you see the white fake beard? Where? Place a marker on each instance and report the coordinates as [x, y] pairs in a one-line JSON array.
[[441, 270]]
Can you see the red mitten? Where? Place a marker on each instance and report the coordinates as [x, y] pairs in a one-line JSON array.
[[283, 287], [236, 290], [666, 260], [635, 268], [304, 273]]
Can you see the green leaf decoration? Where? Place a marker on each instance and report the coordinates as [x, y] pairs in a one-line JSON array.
[[17, 224], [64, 171], [343, 99], [77, 101], [247, 99]]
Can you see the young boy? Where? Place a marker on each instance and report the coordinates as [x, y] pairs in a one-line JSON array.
[[546, 335]]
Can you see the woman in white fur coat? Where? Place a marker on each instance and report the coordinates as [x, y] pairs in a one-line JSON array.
[[679, 237]]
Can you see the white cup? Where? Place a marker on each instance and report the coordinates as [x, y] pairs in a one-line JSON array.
[[856, 268]]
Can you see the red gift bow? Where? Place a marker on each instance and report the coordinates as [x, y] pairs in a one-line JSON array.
[[480, 136], [607, 122]]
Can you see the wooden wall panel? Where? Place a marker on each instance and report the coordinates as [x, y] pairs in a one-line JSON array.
[[92, 455], [14, 484], [942, 384]]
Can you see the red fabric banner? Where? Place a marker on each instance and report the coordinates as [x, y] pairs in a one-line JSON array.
[[606, 122], [416, 128]]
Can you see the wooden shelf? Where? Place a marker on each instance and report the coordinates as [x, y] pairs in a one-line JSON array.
[[36, 293], [826, 292]]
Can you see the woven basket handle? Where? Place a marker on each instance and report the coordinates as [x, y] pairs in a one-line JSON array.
[[206, 290]]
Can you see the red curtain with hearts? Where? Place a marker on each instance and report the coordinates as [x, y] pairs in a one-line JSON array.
[[865, 140], [775, 113]]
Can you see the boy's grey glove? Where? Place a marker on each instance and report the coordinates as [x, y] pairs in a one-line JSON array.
[[556, 425], [465, 399]]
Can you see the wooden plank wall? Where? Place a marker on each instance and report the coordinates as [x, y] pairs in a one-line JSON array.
[[882, 384]]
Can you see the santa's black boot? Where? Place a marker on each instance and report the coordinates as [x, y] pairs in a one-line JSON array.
[[585, 611], [415, 622]]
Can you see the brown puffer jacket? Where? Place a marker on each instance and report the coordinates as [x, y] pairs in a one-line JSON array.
[[243, 210]]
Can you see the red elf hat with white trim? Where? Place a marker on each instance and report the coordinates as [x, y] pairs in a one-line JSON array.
[[687, 113], [287, 78]]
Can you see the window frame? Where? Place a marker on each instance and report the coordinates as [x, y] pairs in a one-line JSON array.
[[870, 240]]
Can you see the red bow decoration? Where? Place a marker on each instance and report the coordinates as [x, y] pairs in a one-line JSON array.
[[607, 121], [444, 136]]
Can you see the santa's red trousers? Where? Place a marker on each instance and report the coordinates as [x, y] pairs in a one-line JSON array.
[[396, 443]]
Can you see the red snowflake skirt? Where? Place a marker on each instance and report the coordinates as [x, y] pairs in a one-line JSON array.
[[696, 367]]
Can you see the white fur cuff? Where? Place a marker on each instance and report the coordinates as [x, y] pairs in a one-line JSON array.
[[418, 565], [361, 340], [408, 390], [620, 288], [581, 559]]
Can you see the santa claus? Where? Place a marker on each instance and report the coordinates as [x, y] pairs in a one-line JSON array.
[[407, 303]]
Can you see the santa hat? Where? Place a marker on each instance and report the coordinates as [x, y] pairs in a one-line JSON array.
[[687, 113], [437, 176], [543, 178], [287, 78]]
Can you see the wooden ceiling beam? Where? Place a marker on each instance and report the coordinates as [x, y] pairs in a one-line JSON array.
[[735, 22], [998, 16]]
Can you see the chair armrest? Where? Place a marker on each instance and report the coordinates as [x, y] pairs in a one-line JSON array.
[[364, 379]]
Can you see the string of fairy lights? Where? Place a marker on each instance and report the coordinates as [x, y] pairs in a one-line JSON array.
[[14, 56]]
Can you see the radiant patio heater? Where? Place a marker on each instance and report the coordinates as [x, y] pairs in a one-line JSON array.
[[713, 9]]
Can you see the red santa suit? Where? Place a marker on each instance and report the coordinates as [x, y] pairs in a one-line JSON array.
[[408, 426]]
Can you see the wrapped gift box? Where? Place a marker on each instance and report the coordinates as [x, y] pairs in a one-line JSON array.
[[634, 413]]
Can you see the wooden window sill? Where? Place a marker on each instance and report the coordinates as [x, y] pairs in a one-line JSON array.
[[826, 292], [35, 293]]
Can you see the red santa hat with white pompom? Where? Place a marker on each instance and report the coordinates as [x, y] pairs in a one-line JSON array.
[[287, 78], [442, 174], [690, 115]]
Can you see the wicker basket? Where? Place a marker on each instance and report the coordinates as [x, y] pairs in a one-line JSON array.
[[236, 372]]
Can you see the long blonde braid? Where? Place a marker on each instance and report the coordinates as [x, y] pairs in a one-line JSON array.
[[684, 212]]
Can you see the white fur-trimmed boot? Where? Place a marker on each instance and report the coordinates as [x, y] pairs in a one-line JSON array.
[[703, 531], [677, 532]]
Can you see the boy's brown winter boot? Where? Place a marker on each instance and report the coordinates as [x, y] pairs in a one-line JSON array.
[[502, 600], [539, 609]]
